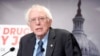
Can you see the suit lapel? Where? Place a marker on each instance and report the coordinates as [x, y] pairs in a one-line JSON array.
[[31, 45], [51, 43]]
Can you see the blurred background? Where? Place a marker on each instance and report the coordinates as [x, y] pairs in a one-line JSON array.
[[12, 12]]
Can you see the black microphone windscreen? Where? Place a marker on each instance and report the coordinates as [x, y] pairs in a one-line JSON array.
[[12, 49], [42, 50]]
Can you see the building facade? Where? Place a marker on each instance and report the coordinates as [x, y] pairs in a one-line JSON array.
[[88, 48]]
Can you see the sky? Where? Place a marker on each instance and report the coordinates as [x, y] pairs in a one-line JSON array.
[[63, 11]]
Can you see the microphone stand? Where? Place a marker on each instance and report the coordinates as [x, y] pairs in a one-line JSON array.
[[5, 53], [11, 49]]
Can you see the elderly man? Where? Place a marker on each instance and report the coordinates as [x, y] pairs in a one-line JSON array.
[[44, 40]]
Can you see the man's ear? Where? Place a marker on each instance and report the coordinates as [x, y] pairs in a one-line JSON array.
[[28, 24], [50, 22]]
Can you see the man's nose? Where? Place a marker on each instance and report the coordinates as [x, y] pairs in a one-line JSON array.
[[38, 22]]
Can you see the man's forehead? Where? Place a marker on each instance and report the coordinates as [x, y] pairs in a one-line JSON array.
[[36, 13]]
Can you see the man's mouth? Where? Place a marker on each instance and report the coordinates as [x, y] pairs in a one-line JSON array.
[[38, 29]]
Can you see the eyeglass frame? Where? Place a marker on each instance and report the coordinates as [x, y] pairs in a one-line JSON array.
[[41, 19]]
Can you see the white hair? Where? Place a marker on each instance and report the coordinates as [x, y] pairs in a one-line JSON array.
[[46, 10]]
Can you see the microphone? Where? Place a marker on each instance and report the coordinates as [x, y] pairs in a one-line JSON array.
[[42, 50], [11, 49]]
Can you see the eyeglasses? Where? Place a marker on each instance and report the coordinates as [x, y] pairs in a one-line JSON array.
[[41, 19]]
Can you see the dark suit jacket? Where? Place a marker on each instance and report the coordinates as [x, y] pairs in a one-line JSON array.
[[63, 44]]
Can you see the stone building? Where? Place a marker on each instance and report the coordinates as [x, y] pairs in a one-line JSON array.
[[88, 48]]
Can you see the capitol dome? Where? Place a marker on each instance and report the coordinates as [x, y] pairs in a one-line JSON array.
[[88, 48]]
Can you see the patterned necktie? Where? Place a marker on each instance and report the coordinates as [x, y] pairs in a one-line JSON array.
[[39, 49]]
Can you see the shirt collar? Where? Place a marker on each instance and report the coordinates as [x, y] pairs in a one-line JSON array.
[[44, 38]]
